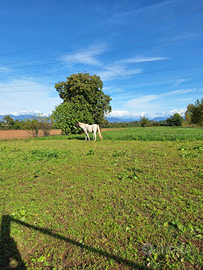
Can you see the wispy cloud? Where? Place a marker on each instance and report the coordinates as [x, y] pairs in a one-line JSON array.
[[112, 90], [114, 69], [118, 114], [177, 92], [24, 112], [152, 102], [5, 69], [141, 101], [28, 96], [112, 73], [142, 59], [87, 57], [180, 81]]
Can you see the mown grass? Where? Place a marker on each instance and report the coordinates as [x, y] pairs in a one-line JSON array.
[[114, 204]]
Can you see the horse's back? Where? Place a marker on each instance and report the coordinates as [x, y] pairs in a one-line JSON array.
[[92, 128]]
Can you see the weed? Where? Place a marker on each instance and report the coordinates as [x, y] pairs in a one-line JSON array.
[[90, 152]]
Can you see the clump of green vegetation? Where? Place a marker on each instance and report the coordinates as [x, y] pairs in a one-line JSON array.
[[44, 154]]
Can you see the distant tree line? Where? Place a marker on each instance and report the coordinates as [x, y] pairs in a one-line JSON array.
[[65, 115], [193, 116], [141, 123], [35, 123]]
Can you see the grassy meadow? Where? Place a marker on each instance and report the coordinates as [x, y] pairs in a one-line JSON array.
[[130, 201]]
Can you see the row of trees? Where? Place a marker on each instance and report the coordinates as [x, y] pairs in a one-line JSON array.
[[84, 101], [47, 123], [174, 120], [36, 123]]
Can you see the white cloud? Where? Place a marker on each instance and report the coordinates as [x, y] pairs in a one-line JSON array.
[[88, 57], [180, 91], [118, 69], [118, 114], [27, 96], [127, 115], [112, 89], [112, 73], [24, 112], [144, 101], [142, 59], [140, 102], [113, 70], [5, 69], [180, 111], [179, 81]]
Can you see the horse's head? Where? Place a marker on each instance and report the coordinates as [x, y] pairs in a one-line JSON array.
[[77, 125]]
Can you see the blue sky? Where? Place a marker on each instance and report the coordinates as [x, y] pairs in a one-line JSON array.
[[147, 53]]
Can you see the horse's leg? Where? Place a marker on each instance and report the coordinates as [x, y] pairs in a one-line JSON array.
[[87, 135], [95, 136]]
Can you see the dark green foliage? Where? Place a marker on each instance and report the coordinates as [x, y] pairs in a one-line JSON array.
[[144, 121], [8, 120], [41, 154], [84, 89], [68, 113], [175, 120], [195, 112], [9, 124]]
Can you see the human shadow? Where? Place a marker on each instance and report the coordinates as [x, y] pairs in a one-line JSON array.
[[10, 250], [8, 247]]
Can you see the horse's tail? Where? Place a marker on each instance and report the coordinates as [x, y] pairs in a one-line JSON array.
[[99, 132]]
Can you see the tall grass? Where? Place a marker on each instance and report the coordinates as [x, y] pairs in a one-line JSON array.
[[144, 134]]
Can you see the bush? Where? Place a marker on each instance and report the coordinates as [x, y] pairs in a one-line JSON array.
[[144, 121], [175, 120]]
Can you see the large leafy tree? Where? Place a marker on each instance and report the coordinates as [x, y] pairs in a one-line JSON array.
[[195, 112], [68, 113], [86, 90]]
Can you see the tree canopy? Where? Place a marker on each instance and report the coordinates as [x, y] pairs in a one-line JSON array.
[[86, 90], [144, 121], [194, 112], [68, 113], [175, 120]]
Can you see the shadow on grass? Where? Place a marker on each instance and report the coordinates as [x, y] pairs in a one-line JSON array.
[[8, 247]]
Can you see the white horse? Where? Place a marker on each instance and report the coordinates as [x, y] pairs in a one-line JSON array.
[[90, 129]]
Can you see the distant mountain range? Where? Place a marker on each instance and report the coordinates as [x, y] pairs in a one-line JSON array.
[[110, 119], [131, 119], [17, 117]]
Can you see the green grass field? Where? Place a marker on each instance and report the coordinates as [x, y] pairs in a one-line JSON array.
[[130, 201]]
